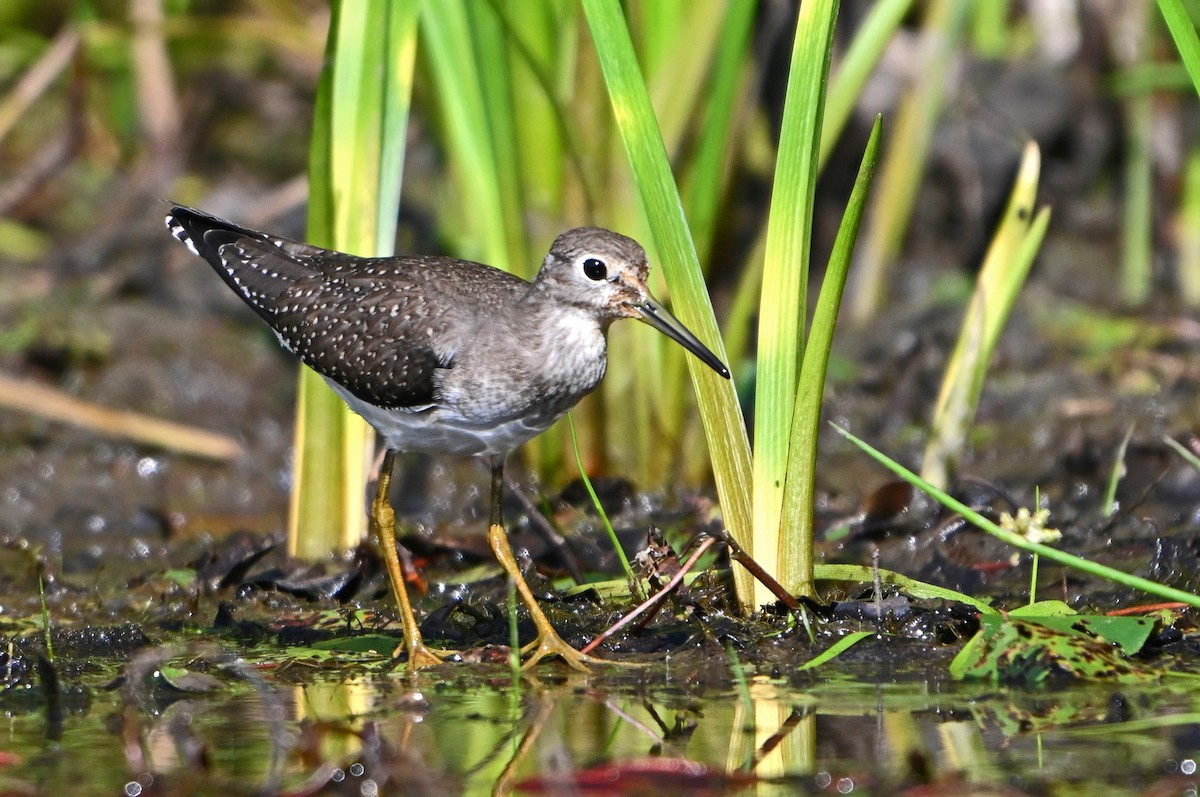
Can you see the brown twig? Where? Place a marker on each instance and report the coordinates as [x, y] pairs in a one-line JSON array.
[[739, 555], [38, 78], [654, 599], [55, 405]]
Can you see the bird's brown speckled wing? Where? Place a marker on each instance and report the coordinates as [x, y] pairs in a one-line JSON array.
[[380, 327]]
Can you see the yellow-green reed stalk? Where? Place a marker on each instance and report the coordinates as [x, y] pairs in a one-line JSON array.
[[699, 123], [462, 48], [847, 78], [693, 60], [783, 306], [904, 161], [1187, 42], [782, 310], [1009, 257], [355, 165], [795, 543], [722, 418], [851, 72], [1137, 223], [1189, 231]]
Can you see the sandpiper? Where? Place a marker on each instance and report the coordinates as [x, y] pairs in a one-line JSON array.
[[442, 355]]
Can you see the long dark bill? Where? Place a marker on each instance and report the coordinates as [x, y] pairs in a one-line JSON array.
[[657, 316]]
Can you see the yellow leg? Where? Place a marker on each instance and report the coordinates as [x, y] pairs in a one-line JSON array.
[[548, 642], [383, 519]]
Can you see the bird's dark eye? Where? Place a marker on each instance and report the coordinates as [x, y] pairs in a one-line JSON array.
[[595, 269]]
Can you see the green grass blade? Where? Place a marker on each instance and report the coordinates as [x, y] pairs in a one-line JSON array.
[[782, 308], [705, 183], [1108, 503], [1017, 541], [864, 53], [795, 544], [720, 414], [1182, 451], [920, 590], [1009, 258], [479, 227], [904, 161], [1189, 231], [591, 491], [1183, 31], [355, 164]]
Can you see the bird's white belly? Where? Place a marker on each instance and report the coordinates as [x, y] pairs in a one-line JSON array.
[[432, 430]]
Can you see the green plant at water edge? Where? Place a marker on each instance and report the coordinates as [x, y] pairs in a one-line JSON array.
[[1042, 641], [721, 415], [788, 399], [355, 165], [782, 308], [1016, 540], [794, 547], [648, 157], [526, 147], [1009, 258]]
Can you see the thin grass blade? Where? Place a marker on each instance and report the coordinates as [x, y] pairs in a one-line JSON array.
[[1183, 31], [1014, 246], [782, 308], [356, 157], [795, 545], [846, 84], [719, 411], [904, 161], [1016, 540]]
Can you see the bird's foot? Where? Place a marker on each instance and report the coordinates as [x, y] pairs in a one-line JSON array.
[[549, 643], [419, 655]]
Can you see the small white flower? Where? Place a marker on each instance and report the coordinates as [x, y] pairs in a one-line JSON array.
[[1031, 526]]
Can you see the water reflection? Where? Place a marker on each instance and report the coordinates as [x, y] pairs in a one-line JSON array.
[[475, 731]]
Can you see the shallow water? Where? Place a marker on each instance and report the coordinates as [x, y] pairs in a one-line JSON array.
[[473, 730]]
